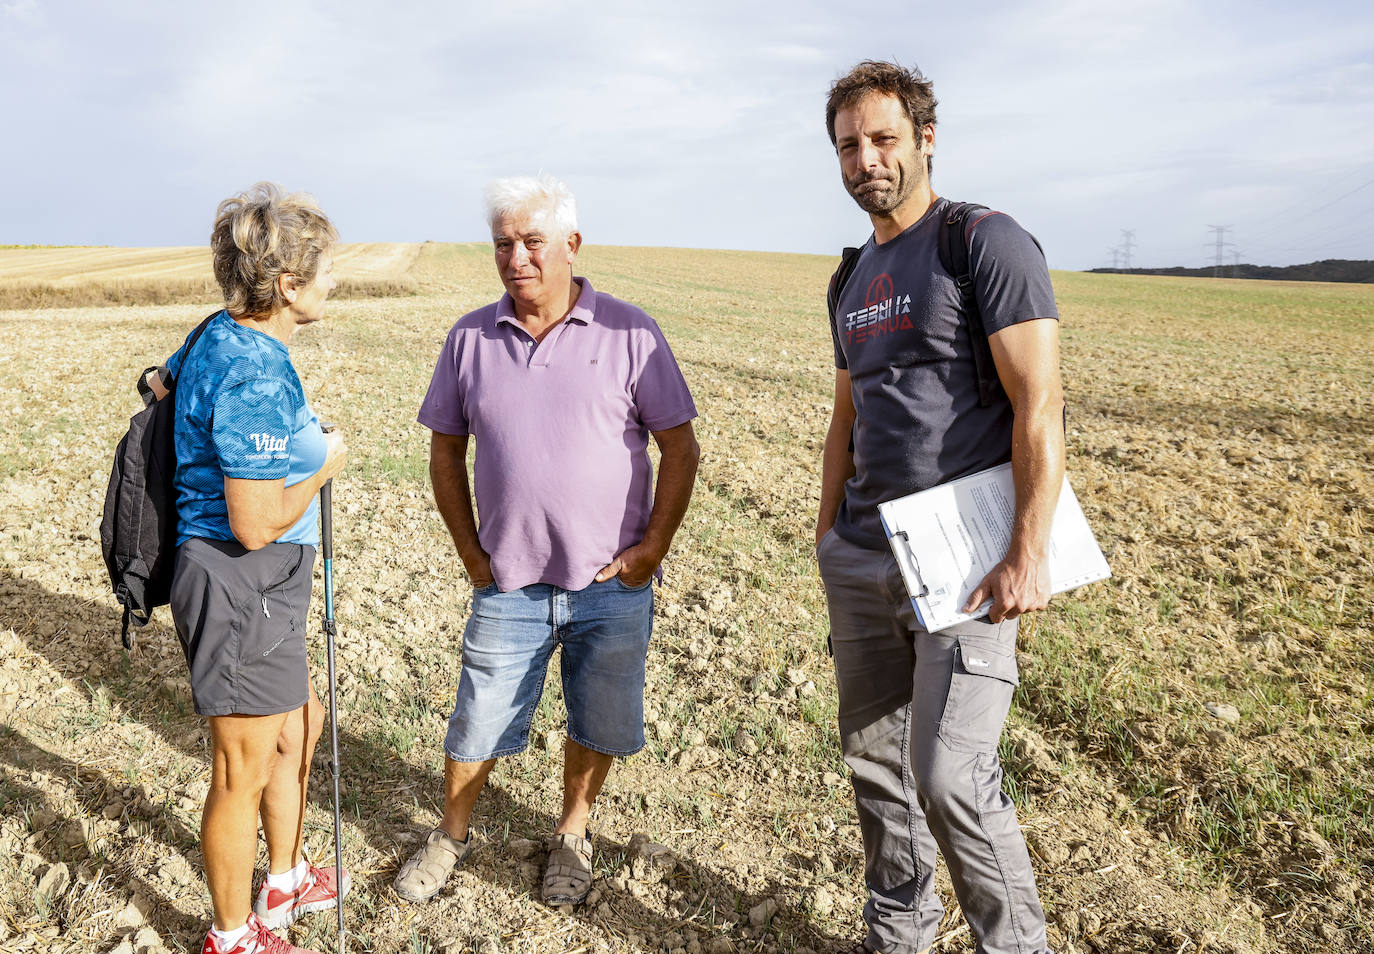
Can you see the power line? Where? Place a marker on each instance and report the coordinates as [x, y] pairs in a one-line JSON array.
[[1311, 249], [1344, 195], [1356, 223], [1300, 229], [1303, 204], [1314, 210]]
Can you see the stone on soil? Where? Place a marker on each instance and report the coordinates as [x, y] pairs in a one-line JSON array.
[[525, 847], [147, 941], [822, 902], [1224, 711], [761, 913], [54, 882]]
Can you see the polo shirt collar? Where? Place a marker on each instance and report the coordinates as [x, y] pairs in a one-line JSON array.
[[584, 312]]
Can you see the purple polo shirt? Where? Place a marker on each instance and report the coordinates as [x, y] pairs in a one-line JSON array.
[[562, 475]]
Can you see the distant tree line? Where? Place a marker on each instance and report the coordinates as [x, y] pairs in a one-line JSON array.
[[1328, 270]]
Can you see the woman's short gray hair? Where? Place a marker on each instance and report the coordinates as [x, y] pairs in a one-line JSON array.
[[261, 234], [533, 195]]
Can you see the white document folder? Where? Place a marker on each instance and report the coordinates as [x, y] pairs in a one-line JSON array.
[[947, 538]]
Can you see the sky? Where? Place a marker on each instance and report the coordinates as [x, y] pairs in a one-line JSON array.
[[695, 124]]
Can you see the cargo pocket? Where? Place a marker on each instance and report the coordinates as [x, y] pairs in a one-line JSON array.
[[278, 602], [981, 684]]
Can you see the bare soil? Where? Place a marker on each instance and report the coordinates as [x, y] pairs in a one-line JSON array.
[[1190, 751]]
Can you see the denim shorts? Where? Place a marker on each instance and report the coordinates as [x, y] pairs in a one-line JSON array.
[[604, 631]]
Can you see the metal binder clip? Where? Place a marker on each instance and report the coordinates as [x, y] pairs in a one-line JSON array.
[[910, 561]]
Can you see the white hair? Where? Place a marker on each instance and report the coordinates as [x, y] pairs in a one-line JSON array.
[[535, 196]]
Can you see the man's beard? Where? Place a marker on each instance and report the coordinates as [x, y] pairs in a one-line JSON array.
[[884, 201]]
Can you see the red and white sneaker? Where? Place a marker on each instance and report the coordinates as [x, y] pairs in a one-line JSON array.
[[258, 940], [277, 909]]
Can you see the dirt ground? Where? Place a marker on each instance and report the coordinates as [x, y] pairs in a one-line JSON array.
[[1190, 750]]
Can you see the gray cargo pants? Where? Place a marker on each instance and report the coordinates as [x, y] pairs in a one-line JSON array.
[[920, 717]]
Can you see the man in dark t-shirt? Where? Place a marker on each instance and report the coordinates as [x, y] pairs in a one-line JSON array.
[[921, 713]]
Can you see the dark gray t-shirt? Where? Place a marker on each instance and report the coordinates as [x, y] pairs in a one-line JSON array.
[[898, 331]]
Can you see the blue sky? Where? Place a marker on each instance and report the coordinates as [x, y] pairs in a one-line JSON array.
[[693, 124]]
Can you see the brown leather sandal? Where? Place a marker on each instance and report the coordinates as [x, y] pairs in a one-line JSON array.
[[568, 875], [423, 876]]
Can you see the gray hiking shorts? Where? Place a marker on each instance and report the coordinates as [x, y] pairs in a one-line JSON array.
[[241, 617]]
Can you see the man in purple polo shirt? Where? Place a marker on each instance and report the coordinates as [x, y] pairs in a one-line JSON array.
[[561, 386]]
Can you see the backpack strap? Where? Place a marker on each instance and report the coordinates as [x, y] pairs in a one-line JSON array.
[[954, 256], [145, 390], [169, 380], [849, 260], [195, 336]]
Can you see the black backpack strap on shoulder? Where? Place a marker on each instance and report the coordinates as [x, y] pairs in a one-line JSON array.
[[849, 260], [195, 336], [169, 379], [954, 256]]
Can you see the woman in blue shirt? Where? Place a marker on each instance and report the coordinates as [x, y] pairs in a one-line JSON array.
[[251, 459]]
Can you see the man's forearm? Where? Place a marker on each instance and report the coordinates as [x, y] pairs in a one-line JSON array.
[[837, 459], [677, 474], [1037, 466], [837, 466], [1027, 356], [448, 473]]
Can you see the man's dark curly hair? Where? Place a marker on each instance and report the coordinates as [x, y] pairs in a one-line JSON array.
[[913, 90]]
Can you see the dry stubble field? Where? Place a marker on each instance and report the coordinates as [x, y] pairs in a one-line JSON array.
[[1190, 750]]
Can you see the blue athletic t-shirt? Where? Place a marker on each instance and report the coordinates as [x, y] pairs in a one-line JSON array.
[[240, 412]]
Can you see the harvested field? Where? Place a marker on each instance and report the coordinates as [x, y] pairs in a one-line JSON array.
[[1190, 750], [65, 277]]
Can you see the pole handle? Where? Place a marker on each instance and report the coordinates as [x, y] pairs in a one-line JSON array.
[[327, 507], [327, 519]]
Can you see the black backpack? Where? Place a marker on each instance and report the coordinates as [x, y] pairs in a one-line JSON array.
[[953, 248], [138, 529]]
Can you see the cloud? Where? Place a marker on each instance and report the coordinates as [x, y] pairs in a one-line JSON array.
[[22, 10], [794, 53], [1336, 85], [678, 125]]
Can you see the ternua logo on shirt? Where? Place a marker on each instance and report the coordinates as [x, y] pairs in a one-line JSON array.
[[884, 312]]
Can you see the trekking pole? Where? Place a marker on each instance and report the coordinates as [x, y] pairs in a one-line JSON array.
[[327, 544]]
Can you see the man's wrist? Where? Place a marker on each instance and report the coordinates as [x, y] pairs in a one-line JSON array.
[[475, 560], [652, 548], [1023, 550]]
